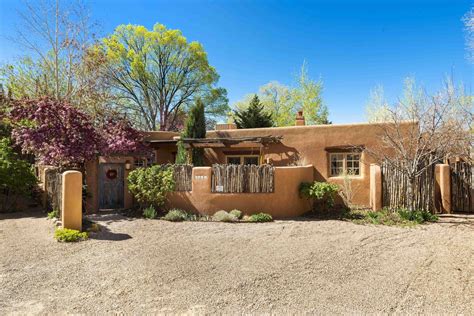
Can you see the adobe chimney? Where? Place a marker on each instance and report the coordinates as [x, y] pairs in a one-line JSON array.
[[299, 119], [225, 126]]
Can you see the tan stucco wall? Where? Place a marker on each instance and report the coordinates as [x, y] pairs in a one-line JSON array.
[[71, 209], [283, 203], [307, 145]]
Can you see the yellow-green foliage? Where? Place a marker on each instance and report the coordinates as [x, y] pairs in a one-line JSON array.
[[236, 213], [69, 235], [150, 185], [260, 218]]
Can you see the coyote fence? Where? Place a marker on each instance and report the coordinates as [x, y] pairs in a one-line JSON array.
[[242, 178], [182, 175], [395, 188], [461, 184], [53, 179]]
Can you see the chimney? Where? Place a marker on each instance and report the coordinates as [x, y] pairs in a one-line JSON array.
[[299, 119], [225, 126]]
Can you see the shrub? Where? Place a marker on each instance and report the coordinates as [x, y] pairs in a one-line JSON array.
[[223, 216], [53, 214], [323, 193], [16, 176], [417, 216], [176, 215], [149, 186], [149, 212], [236, 213], [260, 218], [69, 235]]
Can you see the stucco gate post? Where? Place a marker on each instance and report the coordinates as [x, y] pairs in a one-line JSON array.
[[375, 187], [443, 184], [71, 203]]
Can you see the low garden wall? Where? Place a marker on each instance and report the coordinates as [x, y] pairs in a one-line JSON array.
[[284, 202]]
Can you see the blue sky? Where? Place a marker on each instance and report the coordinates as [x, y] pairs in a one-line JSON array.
[[352, 45]]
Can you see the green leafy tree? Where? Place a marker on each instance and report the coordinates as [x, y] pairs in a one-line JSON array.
[[196, 128], [283, 102], [149, 186], [16, 176], [159, 74], [254, 116]]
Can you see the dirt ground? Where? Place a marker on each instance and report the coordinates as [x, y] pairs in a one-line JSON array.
[[152, 266]]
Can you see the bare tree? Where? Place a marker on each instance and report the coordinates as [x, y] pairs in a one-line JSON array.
[[57, 34], [421, 129]]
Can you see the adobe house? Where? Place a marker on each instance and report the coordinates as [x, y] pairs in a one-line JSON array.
[[304, 153]]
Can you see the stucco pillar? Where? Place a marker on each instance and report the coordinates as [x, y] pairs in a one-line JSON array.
[[72, 200], [443, 184], [375, 187], [44, 180], [201, 181]]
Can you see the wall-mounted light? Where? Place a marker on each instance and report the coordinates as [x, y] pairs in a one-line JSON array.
[[128, 165]]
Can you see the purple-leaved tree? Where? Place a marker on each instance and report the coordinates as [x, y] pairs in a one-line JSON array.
[[59, 134]]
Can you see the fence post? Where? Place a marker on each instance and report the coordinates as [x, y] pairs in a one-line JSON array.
[[443, 182], [72, 200], [375, 187]]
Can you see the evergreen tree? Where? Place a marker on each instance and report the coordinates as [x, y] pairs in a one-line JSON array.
[[254, 116], [195, 128]]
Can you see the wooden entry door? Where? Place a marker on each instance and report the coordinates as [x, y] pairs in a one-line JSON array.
[[111, 186]]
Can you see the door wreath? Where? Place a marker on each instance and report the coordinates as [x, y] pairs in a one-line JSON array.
[[111, 174]]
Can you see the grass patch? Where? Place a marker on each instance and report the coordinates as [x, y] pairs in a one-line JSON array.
[[149, 212], [401, 217], [69, 235]]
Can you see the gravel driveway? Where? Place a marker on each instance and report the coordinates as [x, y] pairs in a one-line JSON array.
[[151, 266]]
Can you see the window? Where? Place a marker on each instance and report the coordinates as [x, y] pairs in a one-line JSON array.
[[139, 162], [243, 160], [345, 163]]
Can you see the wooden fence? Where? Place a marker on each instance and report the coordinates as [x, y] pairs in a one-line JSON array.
[[242, 179], [461, 184], [395, 188], [53, 179], [183, 176]]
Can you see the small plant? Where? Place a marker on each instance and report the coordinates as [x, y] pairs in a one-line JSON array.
[[223, 216], [236, 213], [149, 212], [69, 235], [417, 216], [323, 193], [260, 218], [53, 214], [176, 215]]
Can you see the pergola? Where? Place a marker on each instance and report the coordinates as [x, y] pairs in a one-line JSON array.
[[233, 142]]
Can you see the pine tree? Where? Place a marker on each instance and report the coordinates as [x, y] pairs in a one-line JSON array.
[[254, 116], [195, 128]]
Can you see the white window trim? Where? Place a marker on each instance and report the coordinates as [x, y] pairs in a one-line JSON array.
[[242, 158], [344, 164]]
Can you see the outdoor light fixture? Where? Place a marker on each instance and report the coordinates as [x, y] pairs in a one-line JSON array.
[[128, 165]]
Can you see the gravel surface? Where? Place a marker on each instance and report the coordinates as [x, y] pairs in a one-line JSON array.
[[152, 266]]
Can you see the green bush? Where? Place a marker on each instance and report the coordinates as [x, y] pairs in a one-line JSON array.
[[149, 212], [236, 213], [323, 193], [260, 218], [176, 215], [149, 186], [69, 235], [417, 216], [223, 216], [53, 214], [16, 176]]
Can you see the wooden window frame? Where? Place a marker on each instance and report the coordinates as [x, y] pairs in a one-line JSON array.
[[242, 158], [344, 163]]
